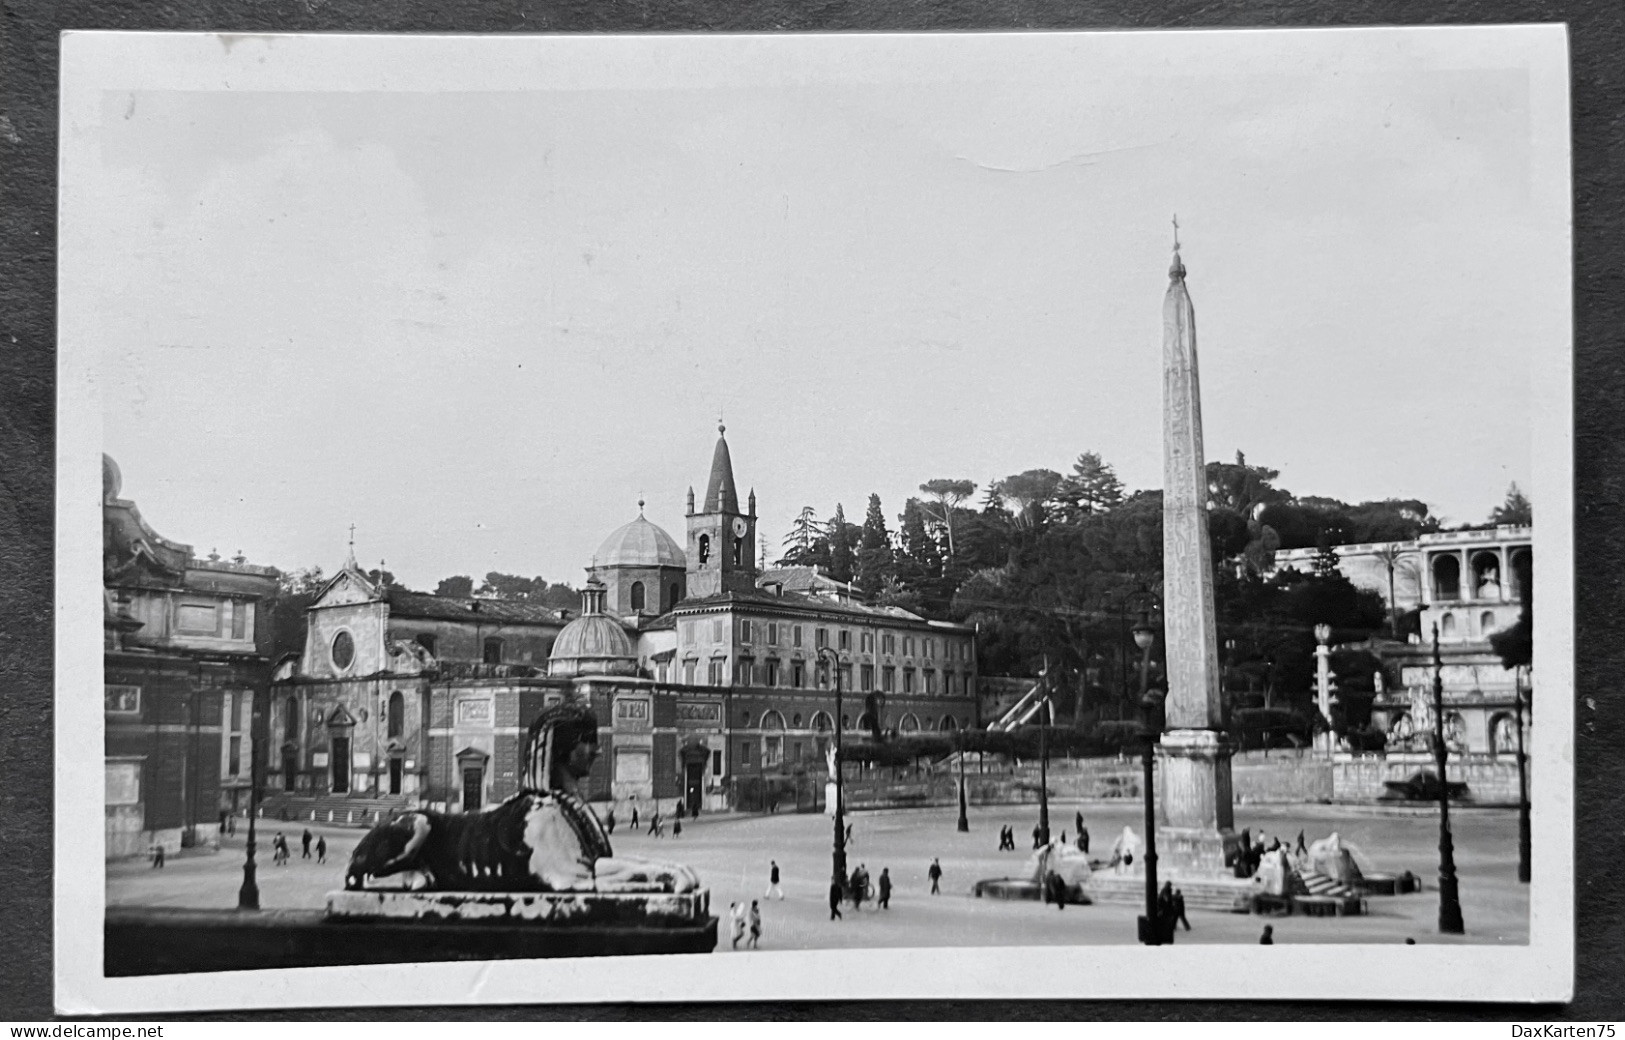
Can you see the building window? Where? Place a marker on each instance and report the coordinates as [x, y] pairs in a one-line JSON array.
[[888, 643], [930, 682], [772, 634], [637, 595], [688, 672], [930, 648], [343, 651], [908, 680], [122, 700], [396, 715], [798, 674], [866, 643], [705, 549], [742, 672], [888, 679], [843, 639], [868, 677], [846, 676], [716, 630], [822, 637], [908, 646], [425, 640], [716, 762], [744, 754], [1486, 622], [713, 672], [772, 751], [795, 635], [239, 618], [290, 719], [822, 722], [234, 711], [744, 631], [772, 672], [493, 651], [234, 762], [198, 619]]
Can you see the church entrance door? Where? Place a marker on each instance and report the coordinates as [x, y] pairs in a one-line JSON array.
[[395, 774], [473, 783], [341, 765], [693, 785], [290, 768]]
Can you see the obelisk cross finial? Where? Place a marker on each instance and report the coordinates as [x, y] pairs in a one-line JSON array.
[[1176, 232]]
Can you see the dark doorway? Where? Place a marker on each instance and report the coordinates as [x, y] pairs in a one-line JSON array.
[[290, 768], [693, 785], [341, 765], [473, 783], [395, 774]]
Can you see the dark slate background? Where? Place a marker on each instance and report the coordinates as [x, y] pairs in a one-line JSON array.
[[28, 126]]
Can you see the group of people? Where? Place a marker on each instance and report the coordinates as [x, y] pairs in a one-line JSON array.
[[1253, 851], [856, 888], [657, 822], [1007, 837], [1170, 911], [279, 848], [740, 918]]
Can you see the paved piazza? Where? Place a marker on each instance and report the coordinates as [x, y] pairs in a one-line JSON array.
[[731, 853]]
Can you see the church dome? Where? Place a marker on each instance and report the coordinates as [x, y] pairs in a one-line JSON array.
[[640, 544], [594, 643]]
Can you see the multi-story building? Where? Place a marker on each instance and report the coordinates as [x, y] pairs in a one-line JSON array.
[[184, 652]]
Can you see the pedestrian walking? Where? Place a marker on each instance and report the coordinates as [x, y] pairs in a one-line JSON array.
[[1179, 911], [321, 849], [609, 821], [634, 817], [304, 844], [157, 857], [935, 874], [231, 824], [834, 898], [1268, 938], [677, 828], [1083, 840], [677, 814], [885, 888], [755, 925], [736, 922], [773, 881], [1077, 819], [1055, 890], [1063, 837], [1165, 912], [654, 824], [224, 815], [849, 834]]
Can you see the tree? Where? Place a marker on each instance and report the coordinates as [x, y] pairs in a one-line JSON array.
[[947, 494], [296, 591], [842, 538], [458, 586], [801, 544], [1029, 496], [918, 564], [1091, 487], [511, 586], [1242, 487], [874, 550], [1515, 510], [385, 579]]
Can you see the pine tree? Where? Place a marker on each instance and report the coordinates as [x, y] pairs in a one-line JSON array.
[[1091, 487], [1515, 510], [800, 544], [840, 536], [874, 550]]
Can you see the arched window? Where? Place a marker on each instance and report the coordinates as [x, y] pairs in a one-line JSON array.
[[948, 723], [493, 651], [637, 595], [396, 714], [1486, 622], [866, 721], [1486, 575], [1446, 577], [1521, 565], [705, 549], [822, 723], [1447, 626], [290, 719], [772, 720], [909, 723]]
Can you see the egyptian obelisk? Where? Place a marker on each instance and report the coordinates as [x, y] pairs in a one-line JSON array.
[[1195, 821]]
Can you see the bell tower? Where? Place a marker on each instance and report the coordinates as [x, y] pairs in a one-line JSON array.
[[721, 539]]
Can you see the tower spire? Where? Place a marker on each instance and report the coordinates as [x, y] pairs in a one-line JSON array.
[[349, 557], [1177, 268]]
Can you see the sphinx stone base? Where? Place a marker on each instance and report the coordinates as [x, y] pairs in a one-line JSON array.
[[533, 909]]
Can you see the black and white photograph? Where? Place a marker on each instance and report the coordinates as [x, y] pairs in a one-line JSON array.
[[574, 508]]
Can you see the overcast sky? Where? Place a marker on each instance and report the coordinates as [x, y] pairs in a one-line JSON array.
[[480, 323]]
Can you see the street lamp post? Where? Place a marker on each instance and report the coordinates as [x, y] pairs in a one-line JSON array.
[[1450, 922], [248, 896], [963, 826], [1523, 780], [1323, 680], [838, 851], [1150, 925]]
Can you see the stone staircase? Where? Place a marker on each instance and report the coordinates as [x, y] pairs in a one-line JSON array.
[[1229, 895], [340, 810]]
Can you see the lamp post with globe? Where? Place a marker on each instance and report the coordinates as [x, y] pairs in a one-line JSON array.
[[1150, 925]]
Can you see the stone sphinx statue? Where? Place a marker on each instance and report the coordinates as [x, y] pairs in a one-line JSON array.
[[1330, 857], [1067, 861], [1126, 851], [545, 838]]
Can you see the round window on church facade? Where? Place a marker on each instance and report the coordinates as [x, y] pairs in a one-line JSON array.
[[343, 650]]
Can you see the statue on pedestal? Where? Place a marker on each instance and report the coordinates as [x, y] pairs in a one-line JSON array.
[[545, 838]]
